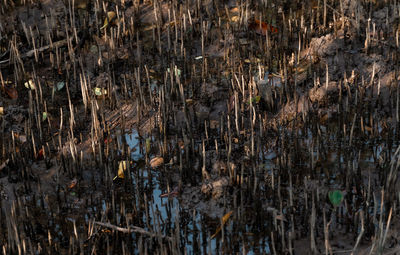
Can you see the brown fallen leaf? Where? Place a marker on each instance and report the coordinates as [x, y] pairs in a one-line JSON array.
[[261, 27], [189, 102], [11, 92], [73, 183], [122, 166], [110, 19], [225, 218], [40, 154], [156, 162]]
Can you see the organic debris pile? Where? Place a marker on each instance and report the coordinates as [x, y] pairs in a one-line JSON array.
[[147, 127]]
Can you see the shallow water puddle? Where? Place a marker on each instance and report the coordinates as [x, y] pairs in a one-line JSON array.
[[241, 232], [165, 209], [196, 229]]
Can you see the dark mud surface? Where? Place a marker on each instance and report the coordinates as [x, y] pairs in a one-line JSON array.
[[199, 127]]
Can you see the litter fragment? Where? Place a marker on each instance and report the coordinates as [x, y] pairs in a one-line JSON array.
[[225, 218], [73, 183], [110, 19], [44, 116], [30, 85], [121, 170], [156, 162], [11, 92], [177, 71], [100, 91], [262, 28], [60, 85]]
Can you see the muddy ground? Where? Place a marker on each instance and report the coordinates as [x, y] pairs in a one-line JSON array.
[[169, 127]]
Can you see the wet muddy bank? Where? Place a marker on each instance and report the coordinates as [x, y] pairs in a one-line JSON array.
[[172, 127]]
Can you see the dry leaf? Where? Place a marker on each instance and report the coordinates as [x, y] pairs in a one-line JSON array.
[[235, 18], [189, 101], [73, 183], [110, 19], [121, 170], [225, 218], [1, 110], [40, 154], [216, 232], [11, 92], [30, 85], [261, 28], [156, 162]]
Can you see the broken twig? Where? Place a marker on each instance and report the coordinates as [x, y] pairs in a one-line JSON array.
[[41, 49], [131, 229]]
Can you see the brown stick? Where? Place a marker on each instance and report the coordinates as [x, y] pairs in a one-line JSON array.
[[41, 49], [131, 229]]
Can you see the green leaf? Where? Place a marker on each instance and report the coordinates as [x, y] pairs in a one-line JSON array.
[[97, 91], [177, 71], [100, 91], [254, 100], [44, 117], [336, 197]]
